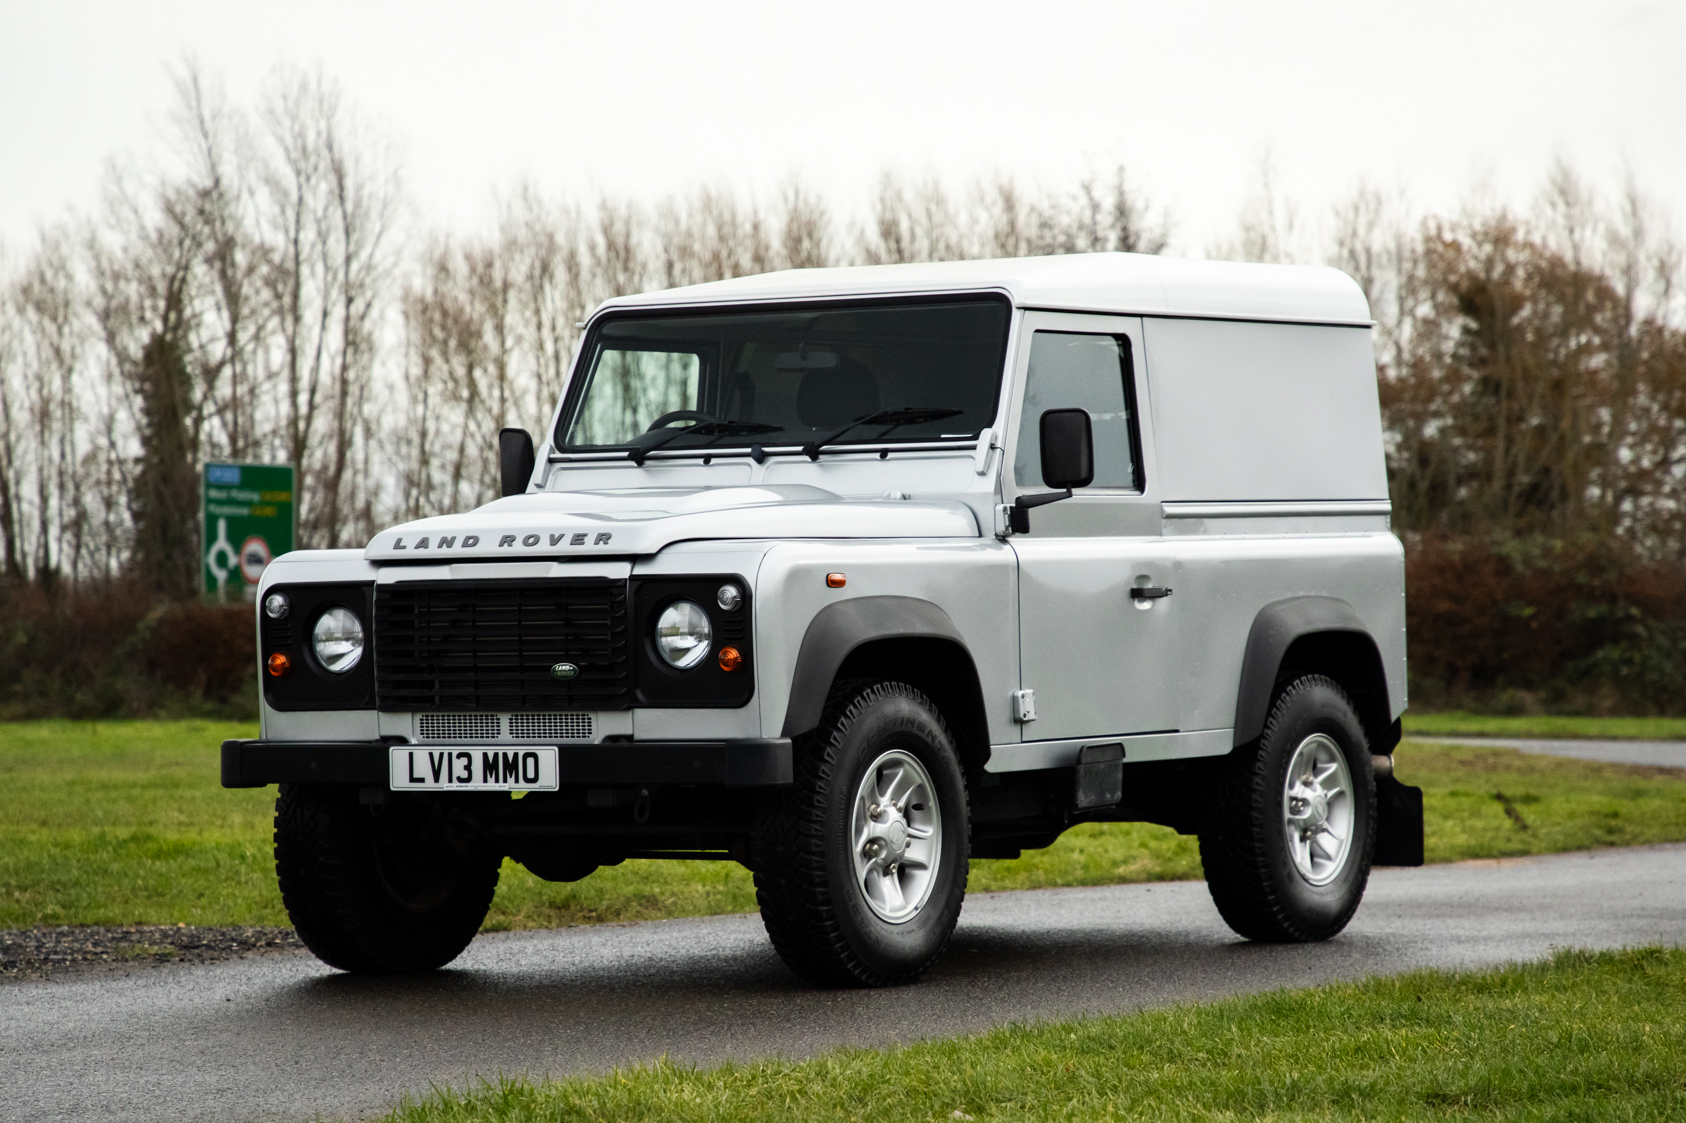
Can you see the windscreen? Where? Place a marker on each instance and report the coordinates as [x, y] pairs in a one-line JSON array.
[[872, 373]]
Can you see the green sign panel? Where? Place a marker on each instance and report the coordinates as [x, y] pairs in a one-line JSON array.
[[248, 523]]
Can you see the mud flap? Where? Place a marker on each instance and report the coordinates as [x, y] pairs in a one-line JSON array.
[[1399, 824]]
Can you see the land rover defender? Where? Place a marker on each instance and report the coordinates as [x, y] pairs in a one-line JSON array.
[[853, 575]]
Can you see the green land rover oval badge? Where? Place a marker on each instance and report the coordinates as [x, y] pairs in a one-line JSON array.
[[564, 671]]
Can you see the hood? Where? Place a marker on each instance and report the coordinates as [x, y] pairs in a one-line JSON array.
[[644, 520]]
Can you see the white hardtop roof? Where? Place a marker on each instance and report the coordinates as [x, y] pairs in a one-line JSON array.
[[1123, 283]]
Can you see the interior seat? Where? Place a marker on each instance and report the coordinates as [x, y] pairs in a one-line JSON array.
[[826, 399]]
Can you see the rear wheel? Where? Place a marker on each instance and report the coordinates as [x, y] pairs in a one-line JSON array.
[[1287, 848], [861, 865], [378, 889]]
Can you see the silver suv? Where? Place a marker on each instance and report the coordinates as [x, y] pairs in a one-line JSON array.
[[851, 576]]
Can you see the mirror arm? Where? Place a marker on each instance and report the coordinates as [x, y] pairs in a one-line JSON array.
[[1019, 519]]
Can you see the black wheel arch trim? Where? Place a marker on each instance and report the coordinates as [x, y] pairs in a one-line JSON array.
[[839, 629], [1275, 630]]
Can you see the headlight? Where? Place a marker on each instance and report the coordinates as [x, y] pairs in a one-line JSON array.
[[683, 634], [338, 640]]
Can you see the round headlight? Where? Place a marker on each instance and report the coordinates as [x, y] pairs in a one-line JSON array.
[[683, 634], [338, 640]]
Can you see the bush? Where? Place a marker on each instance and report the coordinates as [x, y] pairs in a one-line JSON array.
[[111, 651], [1528, 626], [1497, 626]]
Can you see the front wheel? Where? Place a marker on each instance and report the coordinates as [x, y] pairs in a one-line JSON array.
[[1287, 847], [390, 889], [861, 865]]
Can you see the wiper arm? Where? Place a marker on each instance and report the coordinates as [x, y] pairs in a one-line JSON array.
[[890, 418], [638, 454]]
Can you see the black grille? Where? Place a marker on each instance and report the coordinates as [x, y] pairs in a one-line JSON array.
[[490, 645]]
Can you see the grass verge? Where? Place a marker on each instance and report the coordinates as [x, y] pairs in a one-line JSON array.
[[1581, 1037], [119, 823], [1580, 728]]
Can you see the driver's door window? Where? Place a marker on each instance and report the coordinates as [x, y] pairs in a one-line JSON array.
[[1085, 371]]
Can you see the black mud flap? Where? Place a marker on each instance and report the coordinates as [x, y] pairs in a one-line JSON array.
[[1399, 824], [1100, 776]]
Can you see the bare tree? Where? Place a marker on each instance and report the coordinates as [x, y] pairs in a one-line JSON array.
[[146, 302], [326, 212], [805, 234], [1268, 224]]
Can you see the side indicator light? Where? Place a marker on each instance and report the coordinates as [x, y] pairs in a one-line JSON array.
[[836, 580], [279, 664], [731, 659]]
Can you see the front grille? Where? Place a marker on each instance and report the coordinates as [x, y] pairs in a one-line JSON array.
[[452, 727], [550, 727], [490, 645]]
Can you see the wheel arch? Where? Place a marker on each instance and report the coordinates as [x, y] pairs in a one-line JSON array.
[[902, 638], [1313, 635]]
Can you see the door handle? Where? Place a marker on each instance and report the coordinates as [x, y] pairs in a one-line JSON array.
[[1149, 592]]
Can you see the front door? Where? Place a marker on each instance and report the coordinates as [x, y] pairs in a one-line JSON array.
[[1100, 661]]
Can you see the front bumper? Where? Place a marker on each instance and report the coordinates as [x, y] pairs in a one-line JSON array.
[[746, 763]]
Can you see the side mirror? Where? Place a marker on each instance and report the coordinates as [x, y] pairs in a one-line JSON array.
[[515, 460], [1068, 461], [1068, 448]]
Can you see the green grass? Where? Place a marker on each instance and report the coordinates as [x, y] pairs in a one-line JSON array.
[[1584, 728], [1582, 1037], [1565, 804], [124, 823]]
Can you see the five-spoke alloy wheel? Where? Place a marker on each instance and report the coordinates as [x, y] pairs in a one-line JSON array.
[[1317, 809], [898, 828]]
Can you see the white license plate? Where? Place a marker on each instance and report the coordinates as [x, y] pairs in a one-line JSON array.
[[473, 768]]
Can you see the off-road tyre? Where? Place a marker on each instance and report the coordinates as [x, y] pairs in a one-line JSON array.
[[803, 859], [1243, 842], [378, 890]]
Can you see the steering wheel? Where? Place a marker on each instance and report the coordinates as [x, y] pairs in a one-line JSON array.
[[670, 417]]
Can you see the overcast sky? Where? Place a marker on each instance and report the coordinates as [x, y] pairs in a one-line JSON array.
[[649, 97]]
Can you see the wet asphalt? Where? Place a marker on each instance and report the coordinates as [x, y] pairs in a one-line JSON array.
[[1657, 754], [280, 1037]]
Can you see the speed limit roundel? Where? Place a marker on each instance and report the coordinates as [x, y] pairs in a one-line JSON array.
[[254, 558]]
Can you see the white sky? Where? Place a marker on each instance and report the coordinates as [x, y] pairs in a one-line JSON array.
[[649, 97]]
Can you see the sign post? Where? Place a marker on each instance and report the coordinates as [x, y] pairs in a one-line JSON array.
[[248, 522]]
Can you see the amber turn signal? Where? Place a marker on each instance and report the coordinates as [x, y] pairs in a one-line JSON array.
[[279, 664], [731, 659], [836, 580]]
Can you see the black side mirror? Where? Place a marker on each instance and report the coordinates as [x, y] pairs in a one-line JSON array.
[[1068, 461], [1068, 448], [515, 460]]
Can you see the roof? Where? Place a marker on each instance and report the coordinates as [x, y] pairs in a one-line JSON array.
[[1126, 283]]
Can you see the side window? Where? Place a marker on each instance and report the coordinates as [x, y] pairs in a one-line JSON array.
[[1090, 372]]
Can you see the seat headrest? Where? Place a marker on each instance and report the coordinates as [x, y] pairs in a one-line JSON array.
[[829, 398]]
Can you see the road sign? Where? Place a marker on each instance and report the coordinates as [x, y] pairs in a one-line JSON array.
[[248, 522]]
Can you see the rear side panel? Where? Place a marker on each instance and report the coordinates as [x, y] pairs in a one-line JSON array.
[[1282, 414], [1260, 412]]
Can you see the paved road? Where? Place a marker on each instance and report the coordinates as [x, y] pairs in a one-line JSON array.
[[1659, 754], [280, 1037]]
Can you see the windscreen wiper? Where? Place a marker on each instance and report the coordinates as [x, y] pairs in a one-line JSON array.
[[639, 453], [889, 418]]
